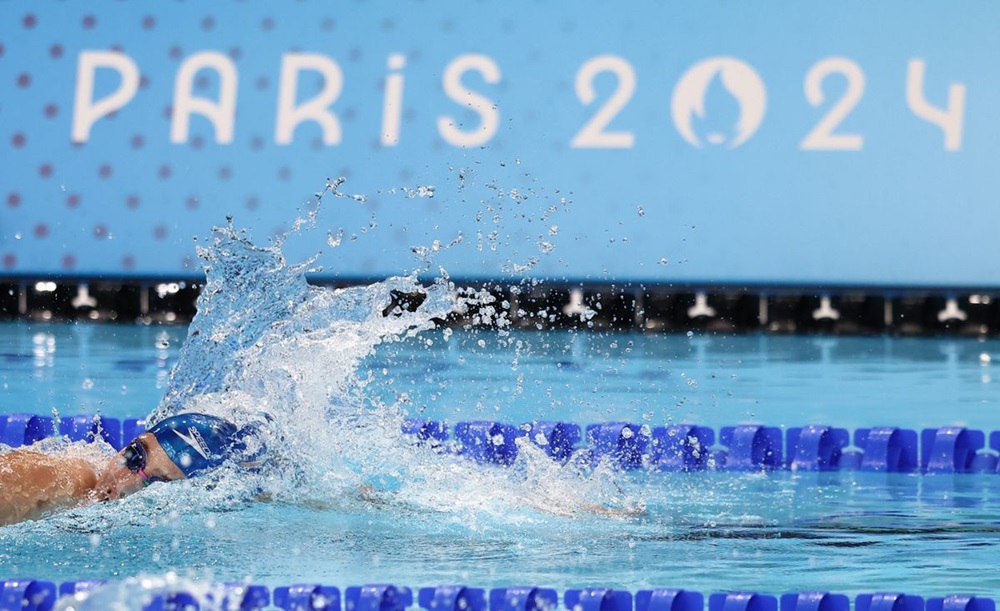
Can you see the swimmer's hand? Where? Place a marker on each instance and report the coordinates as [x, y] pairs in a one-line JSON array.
[[614, 512], [363, 492], [579, 509]]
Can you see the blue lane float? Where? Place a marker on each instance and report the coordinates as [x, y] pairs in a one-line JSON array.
[[629, 446], [18, 430], [742, 601], [523, 598], [887, 449], [888, 601], [622, 444], [428, 432], [378, 597], [91, 428], [814, 601], [816, 448], [597, 599], [950, 449], [681, 447], [487, 442], [24, 429], [243, 597], [27, 595], [558, 439], [688, 447], [173, 601], [39, 595], [452, 598], [72, 588], [300, 597], [751, 448], [960, 603], [668, 599]]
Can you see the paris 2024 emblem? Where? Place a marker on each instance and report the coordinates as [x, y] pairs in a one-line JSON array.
[[739, 80]]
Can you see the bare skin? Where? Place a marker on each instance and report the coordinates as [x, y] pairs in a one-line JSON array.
[[33, 484]]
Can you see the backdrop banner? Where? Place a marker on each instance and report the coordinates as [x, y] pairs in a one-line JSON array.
[[786, 141]]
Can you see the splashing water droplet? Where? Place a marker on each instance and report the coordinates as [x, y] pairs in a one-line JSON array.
[[267, 347]]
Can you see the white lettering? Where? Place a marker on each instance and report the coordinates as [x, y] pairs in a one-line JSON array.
[[593, 135], [392, 111], [221, 114], [315, 109], [86, 110], [822, 138], [484, 107], [950, 120]]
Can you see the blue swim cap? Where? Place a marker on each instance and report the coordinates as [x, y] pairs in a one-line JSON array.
[[197, 442]]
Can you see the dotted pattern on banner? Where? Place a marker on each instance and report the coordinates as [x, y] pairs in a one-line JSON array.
[[128, 200]]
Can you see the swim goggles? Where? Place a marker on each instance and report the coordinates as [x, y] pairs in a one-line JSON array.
[[134, 457]]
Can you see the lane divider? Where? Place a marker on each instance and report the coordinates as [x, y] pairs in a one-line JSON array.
[[745, 447], [32, 595], [17, 430], [630, 446]]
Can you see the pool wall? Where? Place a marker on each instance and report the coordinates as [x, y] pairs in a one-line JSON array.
[[554, 305]]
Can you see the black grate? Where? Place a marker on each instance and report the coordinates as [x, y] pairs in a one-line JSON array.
[[779, 310]]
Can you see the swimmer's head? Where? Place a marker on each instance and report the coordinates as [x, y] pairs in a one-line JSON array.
[[176, 448], [196, 442]]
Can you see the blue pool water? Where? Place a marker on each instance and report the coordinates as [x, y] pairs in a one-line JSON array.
[[714, 531], [346, 499], [122, 371]]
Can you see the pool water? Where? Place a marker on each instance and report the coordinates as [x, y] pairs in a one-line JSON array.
[[439, 519], [345, 498], [122, 371]]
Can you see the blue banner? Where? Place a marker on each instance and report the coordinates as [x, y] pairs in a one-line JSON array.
[[785, 142]]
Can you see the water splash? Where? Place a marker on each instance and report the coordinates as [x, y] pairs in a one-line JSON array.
[[157, 591], [269, 348]]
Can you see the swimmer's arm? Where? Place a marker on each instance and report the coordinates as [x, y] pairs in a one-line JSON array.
[[33, 484]]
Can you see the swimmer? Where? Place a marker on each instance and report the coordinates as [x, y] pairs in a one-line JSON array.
[[33, 484]]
